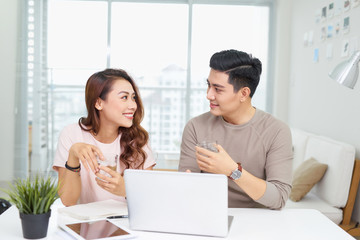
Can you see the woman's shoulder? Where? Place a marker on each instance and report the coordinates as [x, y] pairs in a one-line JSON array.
[[73, 131], [72, 128]]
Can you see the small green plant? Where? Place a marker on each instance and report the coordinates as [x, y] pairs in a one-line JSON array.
[[33, 195]]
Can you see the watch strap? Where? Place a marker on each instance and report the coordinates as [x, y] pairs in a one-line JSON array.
[[239, 169]]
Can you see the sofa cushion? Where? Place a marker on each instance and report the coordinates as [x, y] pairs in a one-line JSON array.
[[305, 177], [334, 186], [299, 140], [311, 201]]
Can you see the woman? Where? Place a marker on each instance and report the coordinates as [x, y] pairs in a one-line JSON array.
[[115, 112]]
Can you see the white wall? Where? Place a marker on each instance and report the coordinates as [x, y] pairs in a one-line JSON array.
[[317, 103], [8, 40]]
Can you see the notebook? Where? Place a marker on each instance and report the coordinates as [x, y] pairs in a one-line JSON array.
[[95, 210], [177, 202]]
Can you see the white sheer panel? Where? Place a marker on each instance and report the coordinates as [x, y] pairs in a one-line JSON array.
[[77, 34], [153, 42], [216, 28], [150, 41]]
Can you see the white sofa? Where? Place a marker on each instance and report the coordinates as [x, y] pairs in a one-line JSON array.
[[330, 194]]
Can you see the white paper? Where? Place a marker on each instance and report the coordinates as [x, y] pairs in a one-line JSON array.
[[95, 210], [329, 50], [353, 45], [345, 48], [311, 37], [306, 39]]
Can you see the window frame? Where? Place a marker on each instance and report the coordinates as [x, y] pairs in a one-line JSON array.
[[22, 145]]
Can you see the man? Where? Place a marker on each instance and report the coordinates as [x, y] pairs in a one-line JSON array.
[[254, 148]]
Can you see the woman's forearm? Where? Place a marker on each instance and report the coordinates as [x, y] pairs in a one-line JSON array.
[[70, 186]]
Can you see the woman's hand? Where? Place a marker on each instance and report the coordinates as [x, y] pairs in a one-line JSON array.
[[212, 162], [114, 184], [85, 153]]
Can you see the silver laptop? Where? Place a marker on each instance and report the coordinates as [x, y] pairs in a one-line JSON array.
[[177, 202]]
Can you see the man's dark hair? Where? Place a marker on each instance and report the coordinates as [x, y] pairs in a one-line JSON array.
[[242, 68]]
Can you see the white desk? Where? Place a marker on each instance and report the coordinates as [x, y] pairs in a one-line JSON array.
[[248, 224]]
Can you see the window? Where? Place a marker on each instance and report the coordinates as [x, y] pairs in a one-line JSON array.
[[165, 46]]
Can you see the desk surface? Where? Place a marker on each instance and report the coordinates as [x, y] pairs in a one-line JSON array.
[[248, 223]]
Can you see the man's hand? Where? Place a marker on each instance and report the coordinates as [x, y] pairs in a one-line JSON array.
[[220, 162]]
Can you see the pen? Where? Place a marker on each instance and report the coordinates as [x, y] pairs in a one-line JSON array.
[[118, 216]]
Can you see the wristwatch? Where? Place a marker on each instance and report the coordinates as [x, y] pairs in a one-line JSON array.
[[236, 174]]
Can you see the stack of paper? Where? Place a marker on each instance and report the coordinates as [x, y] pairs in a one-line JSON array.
[[95, 210]]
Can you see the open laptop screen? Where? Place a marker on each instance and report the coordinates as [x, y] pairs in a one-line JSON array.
[[177, 202]]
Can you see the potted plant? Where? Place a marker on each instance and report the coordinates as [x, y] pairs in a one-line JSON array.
[[33, 198]]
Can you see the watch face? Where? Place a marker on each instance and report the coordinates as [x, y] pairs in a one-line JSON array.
[[235, 174]]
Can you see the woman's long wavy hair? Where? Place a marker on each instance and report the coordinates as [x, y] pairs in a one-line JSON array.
[[132, 139]]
